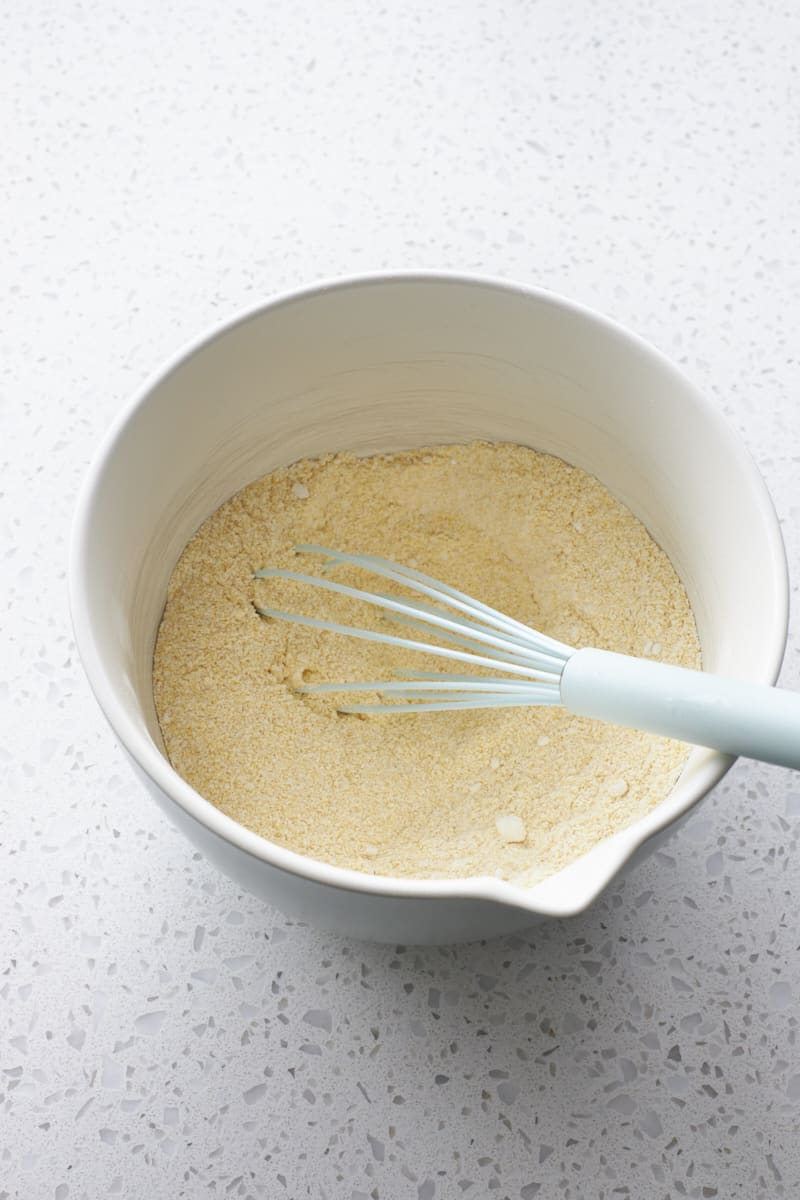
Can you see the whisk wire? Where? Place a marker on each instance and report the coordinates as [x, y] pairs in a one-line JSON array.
[[474, 701], [458, 683]]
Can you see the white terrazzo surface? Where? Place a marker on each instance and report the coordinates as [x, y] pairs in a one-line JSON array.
[[162, 1035]]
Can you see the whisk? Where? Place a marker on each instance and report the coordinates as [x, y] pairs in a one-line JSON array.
[[737, 718]]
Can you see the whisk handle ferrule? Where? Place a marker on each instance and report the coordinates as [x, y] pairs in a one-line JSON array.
[[749, 719]]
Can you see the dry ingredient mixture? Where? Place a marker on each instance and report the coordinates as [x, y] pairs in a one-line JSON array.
[[517, 793]]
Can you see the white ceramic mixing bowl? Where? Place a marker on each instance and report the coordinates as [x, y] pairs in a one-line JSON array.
[[387, 363]]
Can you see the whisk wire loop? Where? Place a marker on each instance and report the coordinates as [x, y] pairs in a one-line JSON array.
[[485, 637]]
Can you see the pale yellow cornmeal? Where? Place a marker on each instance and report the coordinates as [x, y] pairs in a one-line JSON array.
[[423, 795]]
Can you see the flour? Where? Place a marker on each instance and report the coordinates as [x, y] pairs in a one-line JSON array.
[[516, 793]]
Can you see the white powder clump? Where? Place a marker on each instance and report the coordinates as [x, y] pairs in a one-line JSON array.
[[415, 796], [617, 787], [511, 828]]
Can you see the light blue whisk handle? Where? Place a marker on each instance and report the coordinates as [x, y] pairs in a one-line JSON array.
[[749, 719]]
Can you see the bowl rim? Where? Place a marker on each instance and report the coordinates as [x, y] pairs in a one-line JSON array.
[[621, 846]]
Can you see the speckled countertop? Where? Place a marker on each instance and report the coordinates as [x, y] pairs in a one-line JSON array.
[[162, 1035]]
